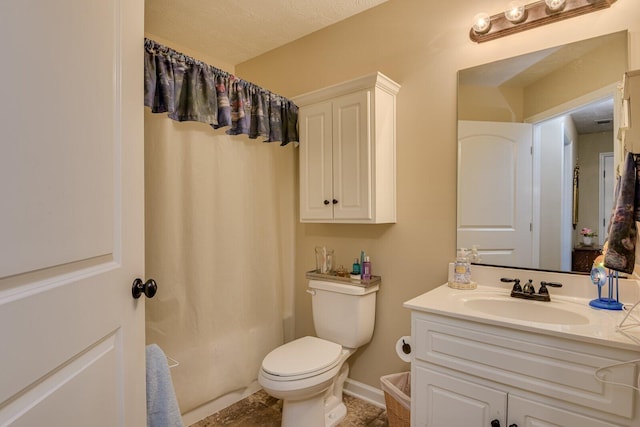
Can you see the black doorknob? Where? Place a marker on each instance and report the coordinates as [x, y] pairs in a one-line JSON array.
[[149, 288]]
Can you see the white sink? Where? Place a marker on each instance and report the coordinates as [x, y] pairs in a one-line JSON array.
[[568, 315], [526, 310]]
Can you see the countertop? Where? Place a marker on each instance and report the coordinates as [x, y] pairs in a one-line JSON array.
[[601, 329]]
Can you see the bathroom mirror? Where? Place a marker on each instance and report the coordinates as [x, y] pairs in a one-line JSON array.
[[535, 136]]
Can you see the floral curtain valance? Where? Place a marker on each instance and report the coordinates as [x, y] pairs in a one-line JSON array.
[[190, 90]]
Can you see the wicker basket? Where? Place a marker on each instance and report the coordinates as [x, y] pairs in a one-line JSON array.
[[397, 398]]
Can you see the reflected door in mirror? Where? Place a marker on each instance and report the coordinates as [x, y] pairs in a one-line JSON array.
[[495, 191]]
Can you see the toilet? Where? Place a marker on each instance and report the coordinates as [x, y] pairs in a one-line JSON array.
[[308, 373]]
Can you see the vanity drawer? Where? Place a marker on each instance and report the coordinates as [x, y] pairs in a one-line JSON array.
[[553, 367]]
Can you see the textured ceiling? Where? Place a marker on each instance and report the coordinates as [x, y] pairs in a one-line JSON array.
[[237, 30]]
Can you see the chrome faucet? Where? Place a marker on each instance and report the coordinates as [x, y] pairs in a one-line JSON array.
[[528, 291]]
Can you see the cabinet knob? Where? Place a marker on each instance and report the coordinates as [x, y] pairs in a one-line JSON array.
[[513, 425], [495, 423], [326, 202], [335, 202]]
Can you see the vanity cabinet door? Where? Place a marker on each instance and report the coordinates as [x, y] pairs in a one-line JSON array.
[[527, 413], [440, 400]]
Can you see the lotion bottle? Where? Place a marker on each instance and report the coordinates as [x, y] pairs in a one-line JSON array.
[[366, 269]]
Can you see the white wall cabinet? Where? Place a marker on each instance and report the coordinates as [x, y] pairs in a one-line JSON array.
[[348, 152], [468, 374]]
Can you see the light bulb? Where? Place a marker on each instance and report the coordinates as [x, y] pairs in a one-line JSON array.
[[481, 23], [555, 5], [515, 12]]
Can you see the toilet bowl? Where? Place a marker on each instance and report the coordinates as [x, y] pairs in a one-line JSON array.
[[308, 374]]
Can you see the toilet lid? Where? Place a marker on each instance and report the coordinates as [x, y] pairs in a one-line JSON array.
[[301, 356]]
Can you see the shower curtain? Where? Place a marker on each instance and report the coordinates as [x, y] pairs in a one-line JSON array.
[[220, 213]]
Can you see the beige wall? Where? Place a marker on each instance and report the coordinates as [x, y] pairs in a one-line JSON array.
[[595, 70], [492, 104], [421, 45]]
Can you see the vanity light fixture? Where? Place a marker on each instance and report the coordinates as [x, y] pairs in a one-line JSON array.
[[519, 17], [555, 5], [481, 23], [516, 12]]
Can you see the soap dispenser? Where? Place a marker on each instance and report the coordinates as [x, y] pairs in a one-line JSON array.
[[462, 272]]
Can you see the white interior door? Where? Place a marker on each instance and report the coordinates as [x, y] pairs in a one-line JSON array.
[[495, 191], [71, 217]]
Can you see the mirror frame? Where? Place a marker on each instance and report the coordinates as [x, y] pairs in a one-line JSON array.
[[585, 97]]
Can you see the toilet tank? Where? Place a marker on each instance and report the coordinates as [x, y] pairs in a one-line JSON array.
[[343, 313]]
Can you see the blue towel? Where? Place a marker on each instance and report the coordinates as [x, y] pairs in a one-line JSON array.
[[621, 253], [162, 406]]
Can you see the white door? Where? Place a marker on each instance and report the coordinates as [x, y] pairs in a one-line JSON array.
[[495, 191], [71, 217]]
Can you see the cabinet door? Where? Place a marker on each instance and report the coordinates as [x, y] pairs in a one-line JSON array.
[[352, 156], [527, 413], [441, 400], [316, 188]]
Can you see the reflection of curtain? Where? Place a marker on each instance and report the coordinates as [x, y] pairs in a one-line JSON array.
[[219, 227], [190, 90]]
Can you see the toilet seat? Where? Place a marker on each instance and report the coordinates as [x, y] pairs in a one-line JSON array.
[[301, 358]]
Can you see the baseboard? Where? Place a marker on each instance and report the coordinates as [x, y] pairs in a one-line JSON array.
[[365, 392], [210, 408]]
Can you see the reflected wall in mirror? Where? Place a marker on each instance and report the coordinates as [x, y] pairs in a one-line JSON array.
[[536, 154]]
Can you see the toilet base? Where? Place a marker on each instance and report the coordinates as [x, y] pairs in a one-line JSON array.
[[334, 408], [309, 410], [319, 411], [319, 405], [335, 415], [323, 410]]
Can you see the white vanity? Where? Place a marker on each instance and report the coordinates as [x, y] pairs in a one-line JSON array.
[[482, 358]]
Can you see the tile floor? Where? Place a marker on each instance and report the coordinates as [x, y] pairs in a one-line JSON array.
[[262, 410]]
